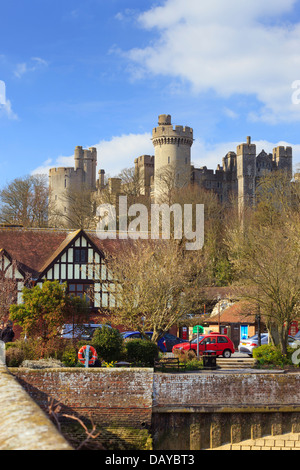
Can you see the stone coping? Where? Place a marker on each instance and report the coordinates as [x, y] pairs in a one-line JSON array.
[[23, 425]]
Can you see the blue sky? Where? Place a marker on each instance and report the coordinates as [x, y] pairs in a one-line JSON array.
[[98, 73]]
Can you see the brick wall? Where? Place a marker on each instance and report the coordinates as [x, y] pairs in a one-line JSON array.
[[227, 390], [182, 411], [109, 396]]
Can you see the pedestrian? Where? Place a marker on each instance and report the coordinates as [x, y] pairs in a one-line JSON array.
[[7, 334], [1, 327]]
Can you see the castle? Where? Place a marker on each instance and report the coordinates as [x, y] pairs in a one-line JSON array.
[[171, 165]]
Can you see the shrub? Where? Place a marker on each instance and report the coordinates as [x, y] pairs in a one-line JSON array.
[[141, 351], [108, 343], [14, 357], [70, 356], [272, 355], [27, 347], [189, 359], [185, 355], [194, 364]]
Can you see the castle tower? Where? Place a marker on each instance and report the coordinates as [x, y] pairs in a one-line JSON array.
[[64, 182], [172, 167], [283, 159], [246, 172], [144, 171]]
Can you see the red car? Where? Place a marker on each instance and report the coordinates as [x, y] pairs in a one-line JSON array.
[[221, 344]]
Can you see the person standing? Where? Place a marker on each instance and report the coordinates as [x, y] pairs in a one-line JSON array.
[[7, 334]]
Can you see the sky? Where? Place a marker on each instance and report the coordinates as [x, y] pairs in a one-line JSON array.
[[100, 72]]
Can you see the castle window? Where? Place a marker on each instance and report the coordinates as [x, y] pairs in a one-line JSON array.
[[65, 183], [169, 160]]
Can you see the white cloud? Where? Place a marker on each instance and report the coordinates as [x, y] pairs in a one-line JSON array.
[[50, 163], [6, 110], [5, 104], [33, 65], [113, 155], [233, 47], [120, 151]]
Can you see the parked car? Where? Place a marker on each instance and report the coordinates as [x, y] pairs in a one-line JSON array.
[[221, 344], [247, 345], [171, 340], [84, 331], [128, 335]]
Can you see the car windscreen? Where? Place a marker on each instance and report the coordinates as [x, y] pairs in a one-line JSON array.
[[195, 340], [255, 337]]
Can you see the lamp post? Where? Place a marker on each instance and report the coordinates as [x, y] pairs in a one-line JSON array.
[[219, 313], [258, 318]]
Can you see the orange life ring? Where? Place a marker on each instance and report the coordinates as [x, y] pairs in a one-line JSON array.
[[81, 355]]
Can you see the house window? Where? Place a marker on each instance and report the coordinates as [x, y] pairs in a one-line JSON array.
[[80, 255], [82, 290]]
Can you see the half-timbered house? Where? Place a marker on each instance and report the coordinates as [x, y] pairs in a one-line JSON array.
[[76, 258]]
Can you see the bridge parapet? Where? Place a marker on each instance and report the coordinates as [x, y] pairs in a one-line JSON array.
[[23, 425]]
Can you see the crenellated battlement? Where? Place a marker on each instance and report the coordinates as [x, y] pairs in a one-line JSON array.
[[166, 133], [60, 170]]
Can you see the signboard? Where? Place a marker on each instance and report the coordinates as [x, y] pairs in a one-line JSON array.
[[198, 329], [184, 332], [294, 328]]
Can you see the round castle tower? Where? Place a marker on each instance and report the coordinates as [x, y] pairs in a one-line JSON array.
[[172, 155]]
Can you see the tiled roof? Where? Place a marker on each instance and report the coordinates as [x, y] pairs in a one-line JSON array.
[[31, 248], [240, 312], [34, 249]]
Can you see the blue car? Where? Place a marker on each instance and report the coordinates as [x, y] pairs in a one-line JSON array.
[[127, 335]]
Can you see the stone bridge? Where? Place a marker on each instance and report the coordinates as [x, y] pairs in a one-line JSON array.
[[140, 409]]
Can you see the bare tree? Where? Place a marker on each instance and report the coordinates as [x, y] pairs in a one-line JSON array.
[[158, 283], [75, 209], [265, 254], [130, 181], [24, 201], [9, 284]]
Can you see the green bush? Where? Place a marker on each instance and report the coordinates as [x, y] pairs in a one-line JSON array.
[[189, 358], [108, 343], [141, 351], [194, 364], [70, 356], [27, 347], [14, 357], [272, 355]]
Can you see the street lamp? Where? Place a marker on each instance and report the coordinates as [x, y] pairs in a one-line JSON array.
[[258, 319], [219, 313]]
